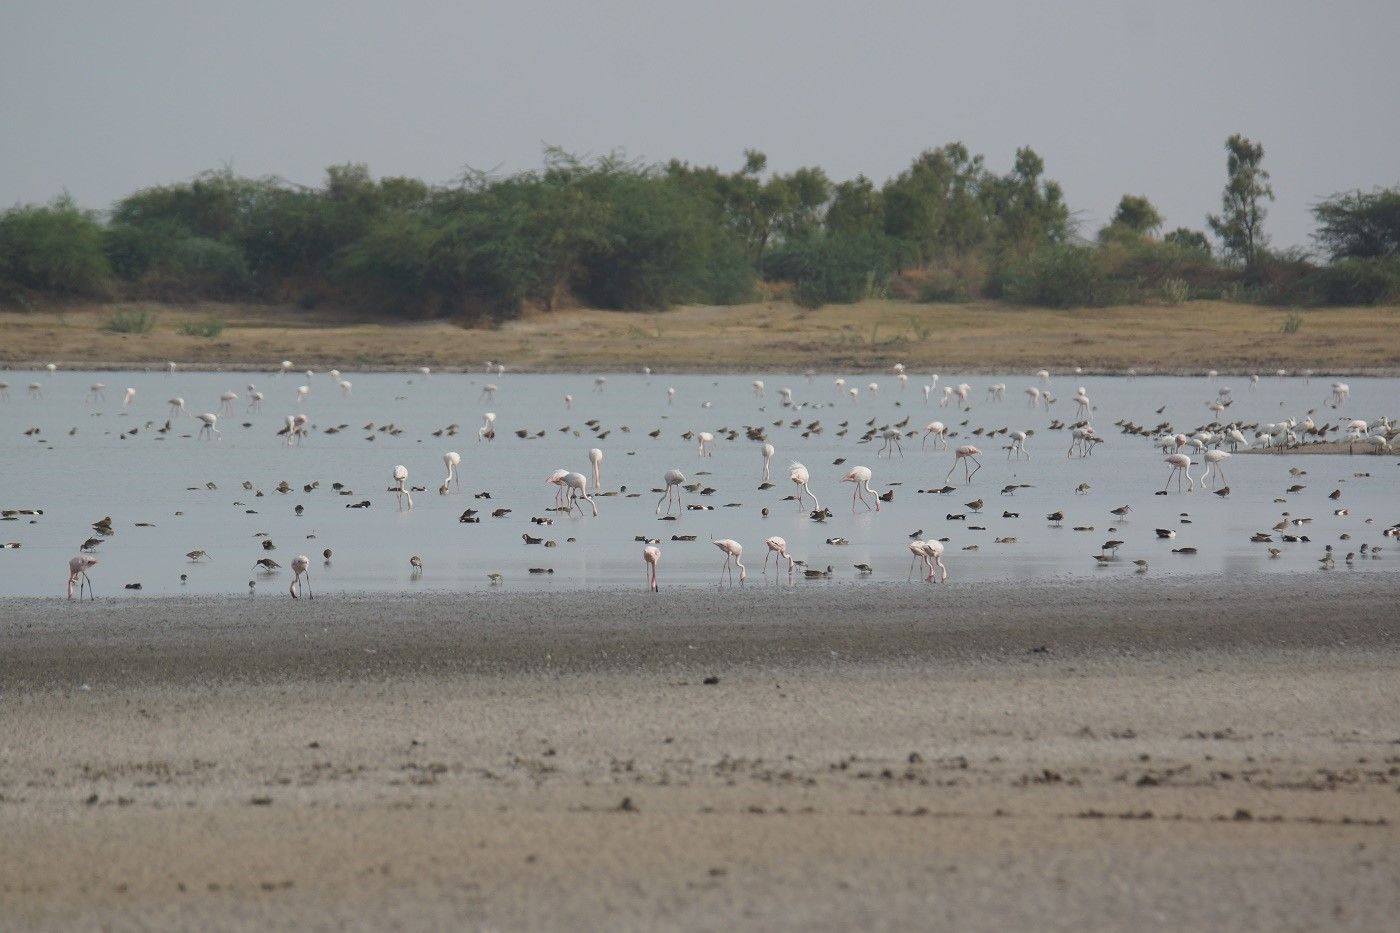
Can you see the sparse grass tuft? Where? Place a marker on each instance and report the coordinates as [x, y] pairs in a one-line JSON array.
[[209, 327], [1176, 291], [1292, 323], [131, 321]]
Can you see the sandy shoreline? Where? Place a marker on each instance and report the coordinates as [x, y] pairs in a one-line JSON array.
[[1202, 753]]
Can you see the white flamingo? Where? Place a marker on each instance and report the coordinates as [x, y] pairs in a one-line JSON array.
[[674, 480], [401, 485], [800, 477]]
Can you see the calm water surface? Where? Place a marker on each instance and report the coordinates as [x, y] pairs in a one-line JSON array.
[[82, 466]]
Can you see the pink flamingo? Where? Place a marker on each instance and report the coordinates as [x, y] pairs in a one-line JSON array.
[[556, 479], [595, 457], [400, 479], [705, 437], [799, 475], [965, 453], [933, 557], [210, 423], [860, 476], [578, 489], [674, 480], [917, 549], [300, 569], [77, 575], [940, 434], [452, 460], [652, 555], [1181, 465], [1214, 459], [778, 546], [768, 451], [226, 402], [733, 550]]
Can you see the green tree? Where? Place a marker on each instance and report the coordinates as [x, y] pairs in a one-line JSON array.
[[1189, 241], [1135, 214], [1360, 225], [55, 248], [1240, 223]]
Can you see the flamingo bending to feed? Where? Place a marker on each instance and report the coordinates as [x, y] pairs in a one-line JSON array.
[[778, 546], [400, 485], [933, 557], [77, 575], [1018, 446], [860, 477], [704, 438], [595, 457], [799, 475], [768, 451], [1181, 465], [556, 479], [226, 402], [487, 431], [452, 460], [578, 489], [733, 551], [210, 427], [652, 555], [300, 569], [961, 454], [130, 394], [674, 480], [1214, 460], [940, 433]]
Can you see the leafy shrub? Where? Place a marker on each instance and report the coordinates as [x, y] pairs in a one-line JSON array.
[[131, 321], [829, 269], [55, 248], [1356, 282], [1175, 291], [1060, 276], [209, 327]]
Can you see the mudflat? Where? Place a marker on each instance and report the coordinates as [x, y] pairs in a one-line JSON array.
[[764, 337], [1127, 755]]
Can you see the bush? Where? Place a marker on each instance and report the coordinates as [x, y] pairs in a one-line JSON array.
[[1175, 291], [1062, 276], [131, 321], [209, 327], [829, 269], [1292, 324], [1356, 282], [57, 249]]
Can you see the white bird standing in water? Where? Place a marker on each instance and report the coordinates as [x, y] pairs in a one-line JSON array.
[[210, 427], [860, 476], [451, 460], [800, 477], [595, 457], [578, 489], [400, 481], [768, 452], [734, 551], [300, 568], [674, 480]]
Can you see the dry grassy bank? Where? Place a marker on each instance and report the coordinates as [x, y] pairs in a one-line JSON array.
[[760, 336]]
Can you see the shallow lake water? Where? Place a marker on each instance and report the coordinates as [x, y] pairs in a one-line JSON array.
[[82, 465]]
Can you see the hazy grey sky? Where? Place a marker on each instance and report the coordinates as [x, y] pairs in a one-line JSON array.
[[103, 97]]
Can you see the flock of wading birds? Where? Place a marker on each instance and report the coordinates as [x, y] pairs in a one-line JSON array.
[[571, 488]]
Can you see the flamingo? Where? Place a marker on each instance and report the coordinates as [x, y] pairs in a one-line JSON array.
[[704, 438], [177, 406], [1214, 461], [488, 392], [595, 457], [452, 460], [556, 479], [1044, 376], [840, 385], [97, 392], [5, 391], [77, 575], [296, 429], [578, 489], [487, 431], [170, 369], [933, 557], [786, 395], [210, 427], [652, 555], [1181, 465], [768, 452], [799, 475], [126, 401], [733, 550], [1081, 403], [598, 383], [286, 367], [758, 387], [674, 480], [860, 477], [778, 546], [36, 390], [425, 372], [916, 548], [255, 400], [1018, 446], [996, 392], [400, 487], [1032, 397], [568, 402], [226, 402], [300, 569], [965, 453], [302, 393], [670, 395], [891, 443], [940, 433], [345, 388]]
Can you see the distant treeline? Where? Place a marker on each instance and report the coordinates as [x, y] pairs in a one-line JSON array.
[[614, 233]]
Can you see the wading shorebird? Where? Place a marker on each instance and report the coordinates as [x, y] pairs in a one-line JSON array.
[[733, 551], [651, 554], [77, 575], [300, 569]]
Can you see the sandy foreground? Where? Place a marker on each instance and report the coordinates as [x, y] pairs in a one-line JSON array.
[[1155, 754]]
